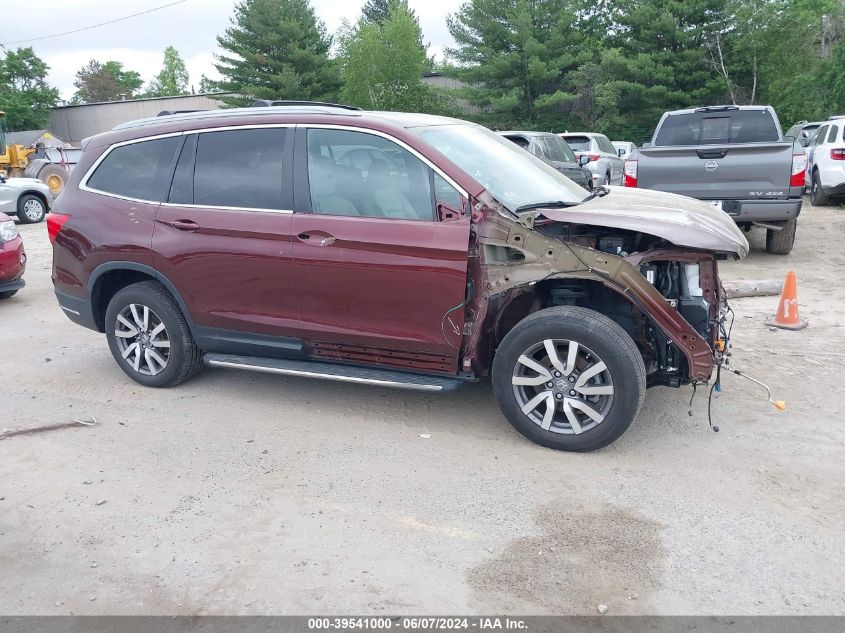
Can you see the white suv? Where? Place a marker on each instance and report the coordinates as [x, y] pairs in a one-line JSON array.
[[602, 159], [826, 162]]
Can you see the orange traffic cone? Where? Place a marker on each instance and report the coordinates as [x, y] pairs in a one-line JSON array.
[[787, 315]]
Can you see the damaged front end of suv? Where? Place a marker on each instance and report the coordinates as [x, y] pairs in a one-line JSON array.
[[646, 260]]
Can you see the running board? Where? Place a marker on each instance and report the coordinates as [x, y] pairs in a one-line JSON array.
[[328, 371]]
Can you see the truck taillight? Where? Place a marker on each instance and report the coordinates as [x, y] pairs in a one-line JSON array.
[[630, 173], [837, 154], [55, 222], [799, 165]]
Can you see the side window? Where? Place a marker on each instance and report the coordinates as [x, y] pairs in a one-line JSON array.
[[138, 170], [444, 193], [834, 130], [240, 168], [359, 174], [182, 189], [819, 136], [605, 145]]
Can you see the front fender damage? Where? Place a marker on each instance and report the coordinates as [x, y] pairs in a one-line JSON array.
[[524, 257]]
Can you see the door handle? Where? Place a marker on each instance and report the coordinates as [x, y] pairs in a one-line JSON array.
[[319, 239], [183, 225]]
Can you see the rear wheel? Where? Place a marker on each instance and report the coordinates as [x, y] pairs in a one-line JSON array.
[[31, 209], [54, 177], [569, 378], [780, 242], [149, 337], [818, 198]]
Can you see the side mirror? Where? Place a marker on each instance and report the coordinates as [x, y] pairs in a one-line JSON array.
[[620, 153], [446, 212], [804, 141], [583, 159]]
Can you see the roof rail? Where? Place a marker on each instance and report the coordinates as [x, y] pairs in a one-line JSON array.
[[264, 103], [172, 112]]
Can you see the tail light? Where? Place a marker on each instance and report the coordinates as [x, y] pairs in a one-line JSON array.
[[55, 222], [799, 166], [630, 173], [837, 154], [593, 157]]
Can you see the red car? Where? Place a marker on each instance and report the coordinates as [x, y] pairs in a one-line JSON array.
[[389, 249], [12, 258]]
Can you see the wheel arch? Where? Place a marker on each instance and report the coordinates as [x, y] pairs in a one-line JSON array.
[[107, 279], [37, 194]]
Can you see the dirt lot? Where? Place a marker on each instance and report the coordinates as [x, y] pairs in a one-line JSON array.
[[245, 493]]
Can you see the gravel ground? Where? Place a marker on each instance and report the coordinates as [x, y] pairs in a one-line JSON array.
[[243, 493]]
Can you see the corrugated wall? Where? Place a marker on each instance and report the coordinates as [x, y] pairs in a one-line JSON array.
[[74, 123]]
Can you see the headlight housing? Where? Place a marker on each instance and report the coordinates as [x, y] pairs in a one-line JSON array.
[[8, 231]]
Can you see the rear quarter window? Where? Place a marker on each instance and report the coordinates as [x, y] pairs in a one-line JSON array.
[[718, 127], [139, 170]]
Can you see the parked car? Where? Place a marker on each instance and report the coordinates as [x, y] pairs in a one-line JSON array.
[[624, 148], [451, 255], [803, 131], [27, 198], [554, 150], [603, 161], [12, 258], [733, 157], [826, 162]]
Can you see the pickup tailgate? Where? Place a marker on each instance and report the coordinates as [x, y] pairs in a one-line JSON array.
[[714, 172]]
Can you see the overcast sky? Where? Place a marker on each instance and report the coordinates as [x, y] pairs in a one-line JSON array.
[[139, 42]]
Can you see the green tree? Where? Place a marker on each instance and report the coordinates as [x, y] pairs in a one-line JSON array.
[[97, 82], [173, 78], [382, 63], [515, 54], [276, 49], [25, 96], [207, 85]]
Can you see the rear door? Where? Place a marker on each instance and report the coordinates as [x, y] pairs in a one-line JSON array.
[[722, 154], [381, 252], [223, 237]]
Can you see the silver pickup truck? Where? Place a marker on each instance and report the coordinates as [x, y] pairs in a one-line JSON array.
[[733, 157]]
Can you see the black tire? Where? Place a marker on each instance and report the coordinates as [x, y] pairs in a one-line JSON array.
[[607, 178], [7, 294], [818, 197], [780, 242], [185, 358], [54, 177], [604, 338], [34, 201]]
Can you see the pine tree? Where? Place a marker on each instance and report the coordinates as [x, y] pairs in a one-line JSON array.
[[276, 49]]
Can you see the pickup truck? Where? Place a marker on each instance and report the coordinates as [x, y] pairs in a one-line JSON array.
[[735, 158]]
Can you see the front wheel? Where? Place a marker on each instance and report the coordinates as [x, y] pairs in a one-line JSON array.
[[569, 378], [149, 337]]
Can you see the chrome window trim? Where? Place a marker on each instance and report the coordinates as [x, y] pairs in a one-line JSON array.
[[83, 184], [385, 135]]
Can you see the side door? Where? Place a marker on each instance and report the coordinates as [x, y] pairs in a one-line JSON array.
[[616, 163], [223, 238], [380, 250], [817, 139], [825, 163]]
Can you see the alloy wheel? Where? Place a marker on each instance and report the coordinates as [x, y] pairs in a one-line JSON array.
[[142, 339], [562, 386], [33, 209]]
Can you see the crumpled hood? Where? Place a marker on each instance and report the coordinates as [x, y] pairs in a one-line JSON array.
[[677, 219]]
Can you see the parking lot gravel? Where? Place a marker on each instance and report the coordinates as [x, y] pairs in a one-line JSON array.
[[243, 493]]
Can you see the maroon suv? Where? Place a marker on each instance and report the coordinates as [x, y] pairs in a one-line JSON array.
[[390, 249]]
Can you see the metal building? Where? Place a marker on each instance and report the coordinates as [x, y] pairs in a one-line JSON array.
[[73, 123]]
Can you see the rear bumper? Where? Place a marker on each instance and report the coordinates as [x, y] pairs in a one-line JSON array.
[[763, 210], [77, 310]]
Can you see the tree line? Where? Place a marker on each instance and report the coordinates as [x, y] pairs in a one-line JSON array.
[[606, 65]]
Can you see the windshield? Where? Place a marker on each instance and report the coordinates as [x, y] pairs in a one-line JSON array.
[[511, 175]]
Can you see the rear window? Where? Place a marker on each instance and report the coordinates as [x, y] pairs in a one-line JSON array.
[[578, 143], [731, 126], [253, 180], [139, 170], [519, 140]]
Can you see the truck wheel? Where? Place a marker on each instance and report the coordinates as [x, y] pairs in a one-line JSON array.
[[780, 242], [31, 209], [818, 198], [569, 378], [149, 337], [54, 177]]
